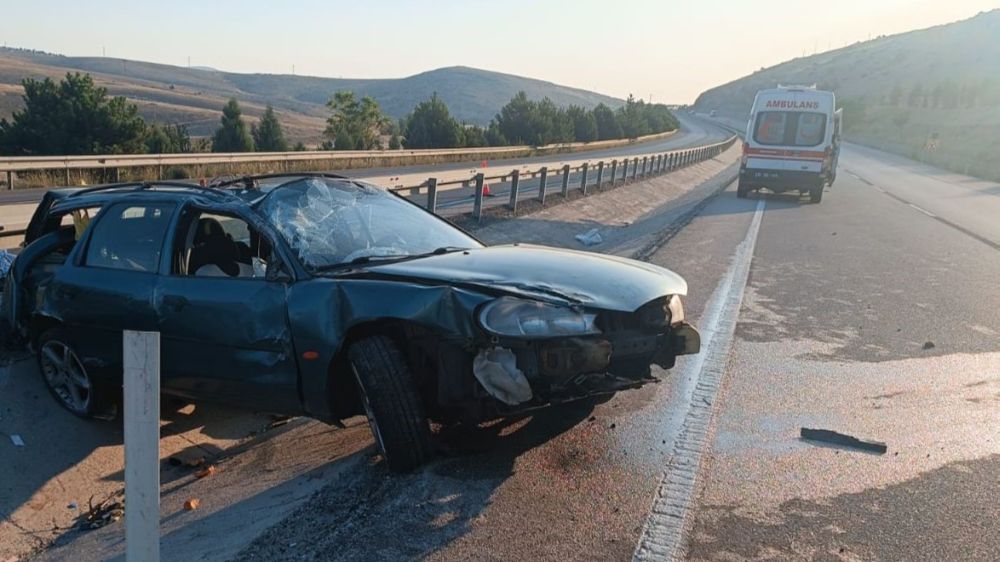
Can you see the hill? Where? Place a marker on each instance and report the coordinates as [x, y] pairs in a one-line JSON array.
[[195, 96], [932, 94]]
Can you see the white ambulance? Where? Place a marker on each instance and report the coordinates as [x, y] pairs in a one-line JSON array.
[[792, 142]]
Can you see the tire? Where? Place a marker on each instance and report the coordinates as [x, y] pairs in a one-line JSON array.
[[816, 194], [391, 403], [68, 380], [741, 190]]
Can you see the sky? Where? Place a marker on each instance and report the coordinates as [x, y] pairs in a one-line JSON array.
[[667, 50]]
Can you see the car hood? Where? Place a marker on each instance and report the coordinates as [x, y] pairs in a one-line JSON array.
[[589, 279]]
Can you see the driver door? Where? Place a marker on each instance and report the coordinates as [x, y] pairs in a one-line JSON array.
[[224, 327]]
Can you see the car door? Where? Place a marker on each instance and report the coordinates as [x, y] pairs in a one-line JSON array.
[[106, 285], [225, 338]]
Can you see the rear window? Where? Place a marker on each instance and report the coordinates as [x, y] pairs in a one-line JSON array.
[[790, 128], [130, 236]]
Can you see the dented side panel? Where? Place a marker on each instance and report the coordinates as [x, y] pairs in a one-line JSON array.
[[228, 340], [323, 311]]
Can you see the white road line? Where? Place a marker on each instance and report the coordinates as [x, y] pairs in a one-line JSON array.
[[924, 211], [663, 533]]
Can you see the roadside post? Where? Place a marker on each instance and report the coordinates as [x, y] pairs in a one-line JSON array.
[[565, 181], [477, 208], [583, 179], [515, 183], [543, 176], [614, 171], [142, 445], [600, 174], [432, 195], [635, 168]]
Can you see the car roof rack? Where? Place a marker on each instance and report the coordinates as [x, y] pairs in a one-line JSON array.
[[152, 185]]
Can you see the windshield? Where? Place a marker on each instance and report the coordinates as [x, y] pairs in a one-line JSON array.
[[330, 222]]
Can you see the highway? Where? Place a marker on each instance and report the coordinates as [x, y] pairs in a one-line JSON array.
[[875, 314]]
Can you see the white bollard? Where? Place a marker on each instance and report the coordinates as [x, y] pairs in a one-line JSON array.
[[142, 445]]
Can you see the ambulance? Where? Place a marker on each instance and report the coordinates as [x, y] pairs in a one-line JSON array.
[[792, 142]]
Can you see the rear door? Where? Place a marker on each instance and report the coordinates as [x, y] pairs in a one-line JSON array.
[[225, 336], [106, 285], [788, 132]]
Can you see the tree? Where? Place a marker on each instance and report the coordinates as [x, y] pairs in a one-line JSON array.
[[632, 118], [232, 135], [72, 117], [394, 142], [168, 139], [299, 147], [432, 126], [267, 135], [494, 137], [473, 136], [354, 125], [518, 120], [607, 124]]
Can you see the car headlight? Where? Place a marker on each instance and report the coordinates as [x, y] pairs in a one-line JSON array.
[[519, 318]]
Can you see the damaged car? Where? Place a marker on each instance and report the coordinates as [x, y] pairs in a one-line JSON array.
[[322, 296]]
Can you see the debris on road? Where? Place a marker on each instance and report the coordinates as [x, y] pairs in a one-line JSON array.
[[207, 471], [191, 504], [929, 345], [590, 238], [833, 437], [16, 440], [108, 511], [190, 462]]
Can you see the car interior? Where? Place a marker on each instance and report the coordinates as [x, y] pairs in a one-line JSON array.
[[214, 245]]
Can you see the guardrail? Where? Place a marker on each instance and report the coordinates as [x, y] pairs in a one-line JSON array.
[[11, 165], [606, 173], [594, 174]]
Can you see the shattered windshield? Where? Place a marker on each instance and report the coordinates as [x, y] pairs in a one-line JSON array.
[[331, 222]]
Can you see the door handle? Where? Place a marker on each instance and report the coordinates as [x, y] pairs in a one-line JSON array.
[[174, 302]]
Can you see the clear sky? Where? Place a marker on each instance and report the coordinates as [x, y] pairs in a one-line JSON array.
[[668, 49]]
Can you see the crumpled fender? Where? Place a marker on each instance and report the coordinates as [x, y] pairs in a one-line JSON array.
[[322, 313]]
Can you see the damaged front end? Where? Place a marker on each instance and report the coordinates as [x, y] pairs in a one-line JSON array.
[[539, 354]]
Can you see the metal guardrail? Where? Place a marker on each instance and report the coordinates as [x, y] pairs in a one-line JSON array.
[[605, 173], [11, 165], [631, 170]]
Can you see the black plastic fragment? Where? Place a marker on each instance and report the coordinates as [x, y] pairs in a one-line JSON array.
[[828, 436]]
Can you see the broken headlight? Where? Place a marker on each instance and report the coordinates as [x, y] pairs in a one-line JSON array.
[[519, 318]]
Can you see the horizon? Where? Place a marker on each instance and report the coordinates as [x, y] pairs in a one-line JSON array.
[[844, 29]]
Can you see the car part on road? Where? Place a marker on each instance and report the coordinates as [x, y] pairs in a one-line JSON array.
[[391, 403], [835, 438]]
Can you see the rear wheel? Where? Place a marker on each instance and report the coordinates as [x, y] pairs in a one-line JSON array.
[[742, 190], [816, 194], [68, 380], [391, 402]]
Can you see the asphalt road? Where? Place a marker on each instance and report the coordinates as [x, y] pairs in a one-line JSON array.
[[875, 314], [865, 314]]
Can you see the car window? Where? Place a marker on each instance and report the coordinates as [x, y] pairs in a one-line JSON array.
[[790, 128], [219, 245], [130, 237], [771, 127]]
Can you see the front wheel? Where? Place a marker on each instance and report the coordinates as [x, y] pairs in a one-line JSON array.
[[391, 403]]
